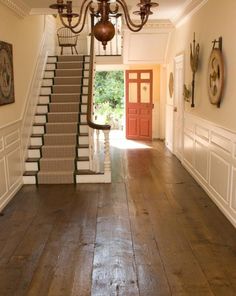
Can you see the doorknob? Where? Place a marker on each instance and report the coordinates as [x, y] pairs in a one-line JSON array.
[[175, 109]]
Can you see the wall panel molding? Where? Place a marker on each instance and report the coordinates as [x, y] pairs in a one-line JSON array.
[[10, 162], [17, 6], [211, 160]]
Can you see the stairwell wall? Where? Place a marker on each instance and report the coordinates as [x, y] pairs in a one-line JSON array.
[[27, 36]]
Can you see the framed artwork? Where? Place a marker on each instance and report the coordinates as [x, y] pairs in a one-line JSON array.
[[7, 95]]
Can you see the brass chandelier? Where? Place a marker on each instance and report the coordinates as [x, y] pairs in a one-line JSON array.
[[103, 30]]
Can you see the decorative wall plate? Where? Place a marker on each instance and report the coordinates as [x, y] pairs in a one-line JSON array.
[[215, 77], [6, 74], [171, 84]]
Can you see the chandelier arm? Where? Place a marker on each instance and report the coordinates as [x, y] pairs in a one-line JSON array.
[[129, 22], [81, 14]]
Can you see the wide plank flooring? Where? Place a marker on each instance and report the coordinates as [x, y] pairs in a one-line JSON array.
[[152, 232]]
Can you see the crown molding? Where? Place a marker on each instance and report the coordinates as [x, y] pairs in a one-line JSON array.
[[189, 9], [17, 6], [165, 25]]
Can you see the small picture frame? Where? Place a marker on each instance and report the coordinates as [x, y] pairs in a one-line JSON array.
[[7, 94]]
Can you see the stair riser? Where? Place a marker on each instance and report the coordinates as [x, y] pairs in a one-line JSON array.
[[31, 166], [60, 140], [45, 91], [83, 129], [44, 100], [42, 109], [49, 74], [83, 152], [68, 73], [69, 65], [34, 153], [84, 108], [62, 117], [64, 81], [83, 165], [36, 141], [38, 130], [57, 166], [57, 108], [58, 153], [61, 129], [52, 60], [40, 119], [69, 58], [84, 99], [83, 140], [29, 180], [67, 89], [90, 179]]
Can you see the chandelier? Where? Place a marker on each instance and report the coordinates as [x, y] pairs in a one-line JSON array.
[[103, 10]]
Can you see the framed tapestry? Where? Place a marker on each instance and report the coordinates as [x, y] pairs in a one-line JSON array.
[[7, 95]]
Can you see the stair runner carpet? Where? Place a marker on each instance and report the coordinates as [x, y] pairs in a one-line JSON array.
[[58, 153]]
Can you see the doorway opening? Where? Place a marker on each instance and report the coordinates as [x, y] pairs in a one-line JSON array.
[[109, 99]]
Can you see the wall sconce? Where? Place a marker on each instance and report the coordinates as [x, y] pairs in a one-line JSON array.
[[194, 61]]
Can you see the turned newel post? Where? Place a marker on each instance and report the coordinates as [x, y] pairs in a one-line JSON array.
[[107, 159]]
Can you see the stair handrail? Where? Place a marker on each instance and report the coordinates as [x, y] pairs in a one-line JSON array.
[[91, 85]]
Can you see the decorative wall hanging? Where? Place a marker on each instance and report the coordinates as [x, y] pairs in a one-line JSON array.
[[171, 84], [194, 61], [6, 74], [215, 76]]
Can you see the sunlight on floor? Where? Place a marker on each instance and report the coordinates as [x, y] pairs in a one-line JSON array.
[[118, 140]]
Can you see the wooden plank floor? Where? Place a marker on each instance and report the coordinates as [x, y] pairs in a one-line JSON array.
[[152, 232]]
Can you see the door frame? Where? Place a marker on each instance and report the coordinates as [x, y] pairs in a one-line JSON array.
[[179, 104]]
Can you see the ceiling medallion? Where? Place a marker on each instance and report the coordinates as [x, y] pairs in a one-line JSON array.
[[103, 30]]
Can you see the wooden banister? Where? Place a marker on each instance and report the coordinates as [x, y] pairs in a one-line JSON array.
[[91, 85]]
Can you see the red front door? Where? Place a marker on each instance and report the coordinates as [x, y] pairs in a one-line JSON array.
[[139, 104]]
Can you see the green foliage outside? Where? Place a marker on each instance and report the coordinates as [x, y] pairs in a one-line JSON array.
[[109, 98]]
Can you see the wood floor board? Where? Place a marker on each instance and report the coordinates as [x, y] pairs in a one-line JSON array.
[[152, 232]]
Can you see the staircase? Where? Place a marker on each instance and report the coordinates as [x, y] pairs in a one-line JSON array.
[[59, 144]]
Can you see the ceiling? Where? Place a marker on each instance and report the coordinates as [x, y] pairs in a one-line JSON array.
[[167, 10]]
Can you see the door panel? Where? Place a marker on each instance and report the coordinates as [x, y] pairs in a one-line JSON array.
[[139, 104]]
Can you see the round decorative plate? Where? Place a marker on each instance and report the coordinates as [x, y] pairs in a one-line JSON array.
[[215, 77], [171, 84]]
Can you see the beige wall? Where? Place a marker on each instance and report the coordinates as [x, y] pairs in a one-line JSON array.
[[214, 19], [25, 35]]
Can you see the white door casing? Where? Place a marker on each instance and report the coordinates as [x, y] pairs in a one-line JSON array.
[[178, 107]]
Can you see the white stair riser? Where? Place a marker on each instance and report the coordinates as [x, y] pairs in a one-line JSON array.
[[85, 90], [84, 99], [83, 129], [50, 67], [83, 165], [83, 118], [86, 66], [83, 152], [44, 100], [45, 91], [51, 60], [85, 81], [38, 130], [42, 109], [84, 108], [31, 166], [90, 179], [49, 74], [40, 119], [29, 179], [34, 153], [47, 82], [83, 140], [87, 59], [36, 141], [86, 74]]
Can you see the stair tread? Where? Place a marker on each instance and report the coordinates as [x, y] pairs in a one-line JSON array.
[[86, 172], [39, 124], [83, 146], [56, 172], [30, 173], [36, 135], [83, 134], [34, 147], [82, 158], [32, 159]]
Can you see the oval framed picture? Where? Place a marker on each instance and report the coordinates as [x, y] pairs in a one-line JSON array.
[[215, 77], [171, 84]]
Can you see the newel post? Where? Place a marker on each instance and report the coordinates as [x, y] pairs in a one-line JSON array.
[[107, 158]]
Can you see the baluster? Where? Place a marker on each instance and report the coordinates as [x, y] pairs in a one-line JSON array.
[[97, 151], [107, 158], [91, 149]]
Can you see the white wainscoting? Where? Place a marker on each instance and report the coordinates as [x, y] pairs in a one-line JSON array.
[[10, 162], [209, 154]]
